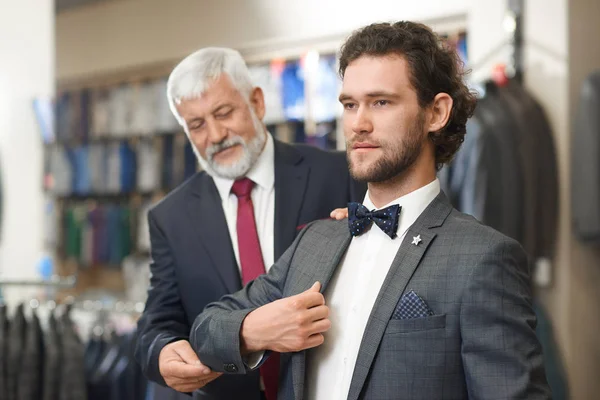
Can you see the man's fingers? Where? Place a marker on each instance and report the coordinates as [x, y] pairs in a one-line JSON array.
[[339, 213], [316, 287], [311, 297], [306, 300], [320, 326], [189, 388], [318, 313], [314, 341], [181, 370], [187, 354], [191, 384]]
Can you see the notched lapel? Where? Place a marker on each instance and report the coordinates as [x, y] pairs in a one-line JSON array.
[[206, 213]]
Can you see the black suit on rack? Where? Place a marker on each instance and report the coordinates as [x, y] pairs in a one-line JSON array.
[[15, 348], [52, 360], [3, 353], [30, 376], [193, 258], [72, 378]]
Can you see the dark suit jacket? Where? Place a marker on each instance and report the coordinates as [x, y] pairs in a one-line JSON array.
[[479, 344], [72, 373], [193, 259], [16, 335], [3, 352], [31, 368]]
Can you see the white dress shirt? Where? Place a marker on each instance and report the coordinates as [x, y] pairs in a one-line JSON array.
[[351, 294], [263, 200]]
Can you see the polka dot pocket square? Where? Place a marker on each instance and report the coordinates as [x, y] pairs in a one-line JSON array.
[[410, 306]]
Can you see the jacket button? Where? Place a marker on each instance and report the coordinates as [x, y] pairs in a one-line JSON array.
[[230, 368]]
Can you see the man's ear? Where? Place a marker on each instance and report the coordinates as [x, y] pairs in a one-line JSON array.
[[440, 111], [257, 101]]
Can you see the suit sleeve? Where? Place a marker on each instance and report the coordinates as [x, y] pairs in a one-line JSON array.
[[164, 320], [500, 350], [215, 334]]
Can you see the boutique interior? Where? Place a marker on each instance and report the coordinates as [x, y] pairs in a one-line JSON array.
[[88, 144]]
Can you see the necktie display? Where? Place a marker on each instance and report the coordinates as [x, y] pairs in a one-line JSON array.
[[360, 219], [252, 266]]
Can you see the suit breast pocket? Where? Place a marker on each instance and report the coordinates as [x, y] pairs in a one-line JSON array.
[[412, 359], [413, 349], [399, 326]]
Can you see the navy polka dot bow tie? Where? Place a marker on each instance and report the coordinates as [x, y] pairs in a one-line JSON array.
[[360, 219]]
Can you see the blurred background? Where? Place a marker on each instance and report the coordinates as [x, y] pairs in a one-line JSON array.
[[87, 144]]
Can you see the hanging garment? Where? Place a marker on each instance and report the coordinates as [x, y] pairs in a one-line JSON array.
[[52, 360], [491, 183], [540, 171], [16, 334], [465, 179], [100, 115], [165, 121], [148, 166], [31, 368], [293, 91], [585, 163], [3, 353], [72, 378]]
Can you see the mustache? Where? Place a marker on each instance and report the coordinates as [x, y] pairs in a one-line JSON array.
[[224, 145], [351, 142]]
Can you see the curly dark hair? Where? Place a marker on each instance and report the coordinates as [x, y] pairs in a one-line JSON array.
[[434, 66]]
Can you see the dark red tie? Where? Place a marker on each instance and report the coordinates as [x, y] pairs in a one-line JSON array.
[[253, 266]]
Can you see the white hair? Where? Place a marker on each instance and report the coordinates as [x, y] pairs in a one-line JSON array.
[[192, 76]]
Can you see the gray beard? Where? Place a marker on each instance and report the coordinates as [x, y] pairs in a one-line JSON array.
[[251, 151]]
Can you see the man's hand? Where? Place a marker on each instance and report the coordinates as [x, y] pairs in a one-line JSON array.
[[287, 325], [181, 368], [339, 213]]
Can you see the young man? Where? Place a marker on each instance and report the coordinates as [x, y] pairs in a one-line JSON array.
[[222, 227], [408, 298]]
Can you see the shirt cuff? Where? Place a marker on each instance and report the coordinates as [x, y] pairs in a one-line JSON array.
[[255, 360]]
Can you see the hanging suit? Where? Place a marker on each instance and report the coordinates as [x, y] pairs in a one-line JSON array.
[[585, 163]]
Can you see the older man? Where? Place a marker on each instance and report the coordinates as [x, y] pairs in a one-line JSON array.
[[228, 223]]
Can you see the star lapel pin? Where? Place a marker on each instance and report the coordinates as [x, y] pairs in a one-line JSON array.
[[416, 240]]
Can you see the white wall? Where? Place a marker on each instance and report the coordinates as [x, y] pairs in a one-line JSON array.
[[127, 33], [584, 270], [26, 71], [547, 76]]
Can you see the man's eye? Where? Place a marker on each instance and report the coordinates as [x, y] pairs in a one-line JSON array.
[[381, 103], [223, 114], [349, 106]]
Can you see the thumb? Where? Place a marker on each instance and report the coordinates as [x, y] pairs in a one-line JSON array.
[[188, 355], [316, 287]]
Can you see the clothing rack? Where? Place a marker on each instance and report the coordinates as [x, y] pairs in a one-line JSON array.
[[516, 8], [54, 281], [514, 27], [120, 306]]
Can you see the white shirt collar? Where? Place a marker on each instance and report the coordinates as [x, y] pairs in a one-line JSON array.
[[413, 204], [262, 172]]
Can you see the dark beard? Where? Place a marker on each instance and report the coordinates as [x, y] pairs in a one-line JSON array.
[[397, 159]]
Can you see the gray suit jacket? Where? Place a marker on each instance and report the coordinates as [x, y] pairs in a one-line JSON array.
[[480, 343]]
